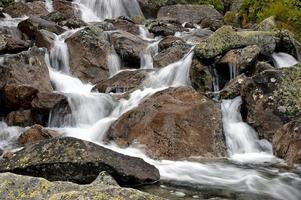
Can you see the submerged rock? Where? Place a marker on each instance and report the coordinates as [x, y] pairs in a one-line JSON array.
[[172, 124], [36, 133], [24, 187], [226, 38], [70, 159]]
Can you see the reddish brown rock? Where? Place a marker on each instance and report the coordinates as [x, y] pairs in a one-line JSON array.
[[176, 123], [20, 9], [20, 118], [287, 142], [36, 133], [65, 7]]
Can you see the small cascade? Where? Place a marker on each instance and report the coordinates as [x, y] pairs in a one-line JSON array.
[[242, 140], [233, 70], [282, 60], [9, 25], [114, 63], [99, 10], [173, 75], [145, 34], [215, 78], [49, 5], [9, 135], [146, 60]]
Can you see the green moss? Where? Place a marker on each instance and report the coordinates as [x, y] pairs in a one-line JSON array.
[[4, 3], [288, 93], [218, 4], [286, 12]]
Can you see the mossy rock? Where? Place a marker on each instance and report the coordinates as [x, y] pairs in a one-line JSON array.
[[226, 38], [30, 188]]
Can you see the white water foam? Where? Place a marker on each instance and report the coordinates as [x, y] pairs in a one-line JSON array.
[[282, 60]]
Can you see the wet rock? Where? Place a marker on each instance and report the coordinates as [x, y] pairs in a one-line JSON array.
[[200, 76], [70, 159], [197, 14], [196, 36], [242, 59], [287, 142], [15, 186], [262, 66], [36, 133], [172, 54], [129, 47], [169, 41], [123, 81], [26, 68], [125, 24], [273, 99], [61, 115], [19, 96], [20, 118], [233, 88], [10, 44], [172, 124], [1, 152], [150, 8], [85, 48], [19, 9], [226, 38], [31, 25], [44, 39], [165, 27], [70, 21], [65, 7]]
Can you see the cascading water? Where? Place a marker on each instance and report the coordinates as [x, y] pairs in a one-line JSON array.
[[114, 63], [234, 70], [282, 60], [93, 114], [242, 140], [49, 5], [99, 10]]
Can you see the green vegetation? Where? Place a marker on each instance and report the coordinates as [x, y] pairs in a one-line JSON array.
[[286, 12], [5, 2], [218, 4]]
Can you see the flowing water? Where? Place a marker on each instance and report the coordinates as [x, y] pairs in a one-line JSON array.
[[251, 168], [282, 60]]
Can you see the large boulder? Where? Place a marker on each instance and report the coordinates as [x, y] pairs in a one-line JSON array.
[[10, 44], [36, 133], [70, 159], [88, 52], [287, 142], [31, 25], [20, 9], [14, 186], [176, 123], [65, 7], [170, 52], [273, 99], [226, 38], [26, 68], [205, 15], [129, 47]]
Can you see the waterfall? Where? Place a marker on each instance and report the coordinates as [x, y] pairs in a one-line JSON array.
[[146, 60], [9, 25], [99, 10], [233, 70], [114, 63], [49, 5], [282, 60], [241, 139]]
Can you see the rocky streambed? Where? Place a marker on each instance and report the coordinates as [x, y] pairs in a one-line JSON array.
[[97, 97]]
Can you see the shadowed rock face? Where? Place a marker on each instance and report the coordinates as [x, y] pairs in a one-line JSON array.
[[104, 187], [70, 159], [173, 124]]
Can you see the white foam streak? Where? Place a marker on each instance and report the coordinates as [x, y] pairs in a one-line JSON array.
[[49, 5]]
